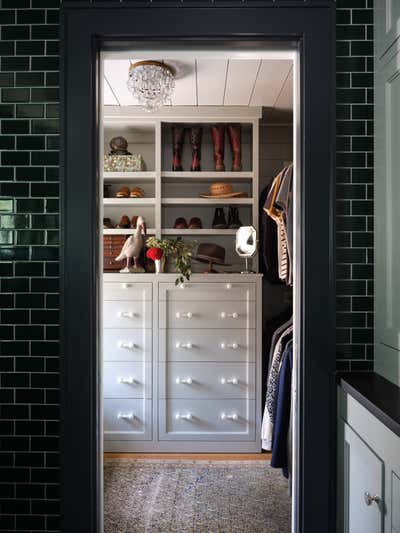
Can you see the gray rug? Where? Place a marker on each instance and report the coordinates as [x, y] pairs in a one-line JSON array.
[[165, 496]]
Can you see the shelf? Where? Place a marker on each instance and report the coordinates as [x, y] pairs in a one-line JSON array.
[[207, 231], [128, 231], [207, 201], [122, 177], [207, 175], [126, 202]]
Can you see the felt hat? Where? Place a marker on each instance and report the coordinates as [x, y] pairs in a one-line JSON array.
[[209, 252]]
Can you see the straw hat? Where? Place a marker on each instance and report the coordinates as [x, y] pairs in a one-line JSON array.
[[222, 190]]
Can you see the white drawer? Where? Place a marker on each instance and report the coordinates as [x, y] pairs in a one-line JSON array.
[[200, 345], [127, 345], [211, 420], [207, 380], [225, 291], [125, 314], [127, 419], [191, 314], [126, 290], [127, 380]]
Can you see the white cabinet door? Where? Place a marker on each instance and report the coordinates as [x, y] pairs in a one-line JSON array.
[[387, 218], [386, 26], [363, 486]]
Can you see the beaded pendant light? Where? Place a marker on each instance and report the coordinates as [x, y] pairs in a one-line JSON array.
[[152, 83]]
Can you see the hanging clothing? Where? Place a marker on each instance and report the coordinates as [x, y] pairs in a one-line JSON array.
[[283, 410], [272, 389], [268, 258]]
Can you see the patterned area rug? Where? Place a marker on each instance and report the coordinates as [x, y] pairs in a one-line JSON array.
[[165, 496]]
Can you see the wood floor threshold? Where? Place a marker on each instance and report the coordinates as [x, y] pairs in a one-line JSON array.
[[193, 456]]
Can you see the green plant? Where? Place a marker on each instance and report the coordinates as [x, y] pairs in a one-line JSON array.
[[179, 250]]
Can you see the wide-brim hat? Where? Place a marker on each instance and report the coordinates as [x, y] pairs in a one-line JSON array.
[[210, 252], [222, 190]]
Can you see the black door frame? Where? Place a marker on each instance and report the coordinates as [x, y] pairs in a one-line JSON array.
[[85, 29]]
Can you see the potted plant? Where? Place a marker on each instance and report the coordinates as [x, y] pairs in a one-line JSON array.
[[178, 250]]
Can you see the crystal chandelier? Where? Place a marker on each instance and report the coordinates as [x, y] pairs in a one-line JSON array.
[[152, 83]]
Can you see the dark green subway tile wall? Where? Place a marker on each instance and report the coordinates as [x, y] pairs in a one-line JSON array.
[[29, 239]]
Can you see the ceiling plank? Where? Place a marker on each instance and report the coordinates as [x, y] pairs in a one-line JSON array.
[[240, 80], [116, 72], [283, 108], [108, 96], [185, 82], [211, 77], [269, 83]]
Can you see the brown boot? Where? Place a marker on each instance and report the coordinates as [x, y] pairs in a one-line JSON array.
[[195, 141], [218, 139], [235, 140], [178, 135]]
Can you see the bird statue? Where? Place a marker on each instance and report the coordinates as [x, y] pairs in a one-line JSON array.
[[133, 247]]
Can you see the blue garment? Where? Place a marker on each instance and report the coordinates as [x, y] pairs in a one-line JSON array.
[[282, 415]]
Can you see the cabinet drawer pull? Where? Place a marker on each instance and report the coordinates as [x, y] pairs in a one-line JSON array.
[[232, 345], [232, 381], [128, 380], [369, 499], [187, 345], [178, 314], [126, 314], [229, 315], [180, 416], [125, 416], [182, 286], [228, 286], [126, 285], [185, 381], [127, 345], [231, 416]]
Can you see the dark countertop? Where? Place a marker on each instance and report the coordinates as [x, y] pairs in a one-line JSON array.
[[375, 393]]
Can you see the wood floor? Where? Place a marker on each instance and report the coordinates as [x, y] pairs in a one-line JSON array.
[[193, 456]]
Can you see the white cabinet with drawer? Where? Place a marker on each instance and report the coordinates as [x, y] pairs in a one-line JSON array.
[[182, 364]]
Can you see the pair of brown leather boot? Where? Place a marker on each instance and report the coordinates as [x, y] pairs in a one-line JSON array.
[[235, 141], [178, 137]]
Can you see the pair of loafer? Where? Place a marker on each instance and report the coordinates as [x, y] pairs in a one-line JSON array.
[[126, 223], [194, 223], [125, 192]]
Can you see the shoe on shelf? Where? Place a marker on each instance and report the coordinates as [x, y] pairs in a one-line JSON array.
[[137, 192], [178, 136], [180, 223], [234, 221], [134, 221], [123, 192], [219, 220], [235, 141], [195, 141], [195, 223], [218, 139], [124, 223], [107, 223]]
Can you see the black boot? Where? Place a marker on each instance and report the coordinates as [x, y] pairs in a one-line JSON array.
[[234, 221], [219, 220]]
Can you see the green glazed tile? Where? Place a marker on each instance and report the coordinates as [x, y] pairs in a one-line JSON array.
[[6, 205], [6, 237], [13, 221]]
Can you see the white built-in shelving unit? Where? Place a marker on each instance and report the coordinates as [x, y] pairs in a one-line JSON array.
[[170, 194]]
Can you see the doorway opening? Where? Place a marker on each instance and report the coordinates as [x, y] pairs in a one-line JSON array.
[[200, 369]]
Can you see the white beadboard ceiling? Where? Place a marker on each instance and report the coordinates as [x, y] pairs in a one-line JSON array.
[[215, 82]]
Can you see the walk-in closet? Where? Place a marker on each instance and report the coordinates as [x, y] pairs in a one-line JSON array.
[[199, 179]]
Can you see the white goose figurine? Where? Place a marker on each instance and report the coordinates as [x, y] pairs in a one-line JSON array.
[[132, 247]]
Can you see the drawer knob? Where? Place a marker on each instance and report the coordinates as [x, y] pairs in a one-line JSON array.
[[229, 315], [232, 345], [231, 416], [126, 285], [369, 499], [185, 381], [180, 416], [127, 345], [126, 314], [228, 286], [182, 286], [129, 380], [187, 345], [178, 314], [232, 381], [125, 416]]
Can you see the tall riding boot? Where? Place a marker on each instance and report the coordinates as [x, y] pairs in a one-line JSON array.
[[235, 139], [234, 221], [218, 139], [178, 134], [195, 141]]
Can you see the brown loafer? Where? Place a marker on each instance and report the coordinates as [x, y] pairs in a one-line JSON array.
[[123, 192], [124, 223], [195, 223], [180, 223], [137, 192]]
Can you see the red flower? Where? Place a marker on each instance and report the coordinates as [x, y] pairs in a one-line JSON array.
[[154, 253]]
